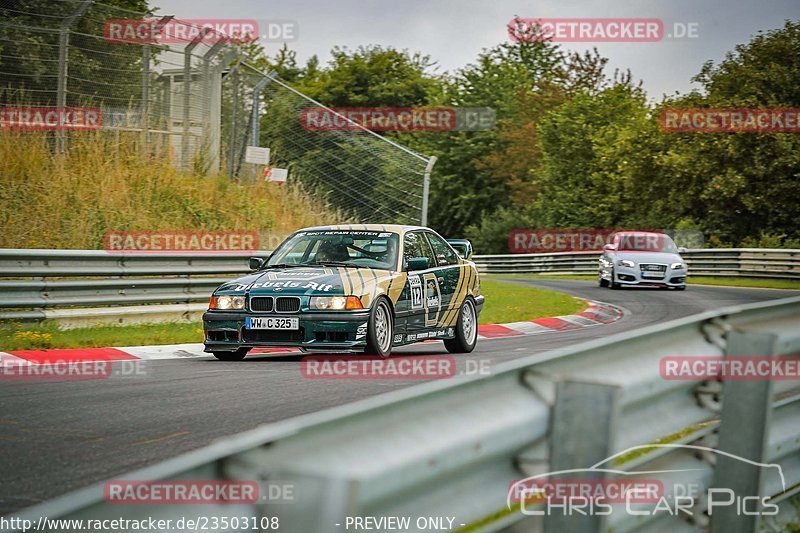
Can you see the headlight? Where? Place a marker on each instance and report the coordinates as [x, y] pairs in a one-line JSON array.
[[678, 266], [325, 303], [226, 302], [626, 263]]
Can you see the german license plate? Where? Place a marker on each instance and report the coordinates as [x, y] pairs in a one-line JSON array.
[[647, 274], [271, 322]]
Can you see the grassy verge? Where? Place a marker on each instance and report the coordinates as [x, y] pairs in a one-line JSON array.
[[746, 282], [693, 280], [102, 185], [48, 335], [505, 302]]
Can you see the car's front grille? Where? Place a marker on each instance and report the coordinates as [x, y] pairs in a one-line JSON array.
[[287, 304], [261, 303], [273, 335], [651, 267]]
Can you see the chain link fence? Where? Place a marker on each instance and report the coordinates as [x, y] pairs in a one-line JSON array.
[[183, 90]]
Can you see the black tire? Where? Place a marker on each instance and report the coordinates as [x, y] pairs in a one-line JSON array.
[[380, 329], [681, 288], [602, 282], [236, 355], [466, 329]]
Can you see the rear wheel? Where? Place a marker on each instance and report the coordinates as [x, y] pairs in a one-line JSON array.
[[380, 330], [236, 355], [466, 330]]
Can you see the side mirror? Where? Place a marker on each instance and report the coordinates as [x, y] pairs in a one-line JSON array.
[[682, 249], [462, 247], [417, 263], [257, 262], [609, 247]]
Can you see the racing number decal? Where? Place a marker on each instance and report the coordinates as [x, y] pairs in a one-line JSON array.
[[415, 282], [433, 299]]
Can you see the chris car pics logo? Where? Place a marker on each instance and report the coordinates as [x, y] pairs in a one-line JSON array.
[[595, 490]]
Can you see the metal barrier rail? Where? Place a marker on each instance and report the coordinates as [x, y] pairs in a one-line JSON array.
[[455, 447], [75, 286], [742, 262]]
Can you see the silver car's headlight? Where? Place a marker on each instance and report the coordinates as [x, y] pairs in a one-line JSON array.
[[226, 302], [626, 263], [678, 266]]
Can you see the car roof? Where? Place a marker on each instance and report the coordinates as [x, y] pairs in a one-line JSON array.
[[393, 228], [637, 232]]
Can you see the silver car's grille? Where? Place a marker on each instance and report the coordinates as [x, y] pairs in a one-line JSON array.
[[652, 267], [287, 304], [261, 303]]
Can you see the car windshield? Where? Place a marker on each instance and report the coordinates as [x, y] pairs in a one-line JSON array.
[[645, 242], [352, 248]]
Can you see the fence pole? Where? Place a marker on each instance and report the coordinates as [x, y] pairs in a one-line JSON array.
[[426, 185], [63, 64], [232, 139], [187, 86]]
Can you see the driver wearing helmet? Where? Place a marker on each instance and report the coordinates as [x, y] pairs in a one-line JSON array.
[[332, 251]]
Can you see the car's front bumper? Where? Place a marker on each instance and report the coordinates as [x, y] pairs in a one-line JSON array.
[[337, 331], [635, 276]]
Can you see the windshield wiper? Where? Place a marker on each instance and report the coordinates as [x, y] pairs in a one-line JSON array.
[[282, 265], [337, 264]]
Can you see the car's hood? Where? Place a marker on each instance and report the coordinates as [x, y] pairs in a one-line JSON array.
[[649, 257], [359, 282]]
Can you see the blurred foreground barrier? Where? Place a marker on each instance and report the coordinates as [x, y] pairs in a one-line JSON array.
[[453, 448], [79, 287]]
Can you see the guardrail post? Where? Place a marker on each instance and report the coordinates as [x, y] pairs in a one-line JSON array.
[[582, 432], [744, 432]]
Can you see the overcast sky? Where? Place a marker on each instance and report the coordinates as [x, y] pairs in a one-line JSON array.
[[453, 32]]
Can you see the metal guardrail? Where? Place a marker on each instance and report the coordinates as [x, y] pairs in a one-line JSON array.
[[84, 286], [79, 286], [454, 447], [742, 262]]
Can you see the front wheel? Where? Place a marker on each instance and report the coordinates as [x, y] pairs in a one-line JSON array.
[[466, 330], [380, 330], [602, 282], [236, 355]]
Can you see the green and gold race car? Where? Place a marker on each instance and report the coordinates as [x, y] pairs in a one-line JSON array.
[[350, 288]]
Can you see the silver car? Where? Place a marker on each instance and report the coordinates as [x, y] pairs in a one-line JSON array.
[[642, 258]]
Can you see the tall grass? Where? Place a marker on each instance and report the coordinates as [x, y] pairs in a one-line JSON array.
[[102, 184]]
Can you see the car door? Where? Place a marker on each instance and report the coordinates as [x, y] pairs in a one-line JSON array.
[[422, 294], [447, 273]]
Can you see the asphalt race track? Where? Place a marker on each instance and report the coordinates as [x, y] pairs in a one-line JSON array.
[[60, 435]]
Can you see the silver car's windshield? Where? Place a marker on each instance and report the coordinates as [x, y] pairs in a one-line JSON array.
[[352, 248]]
